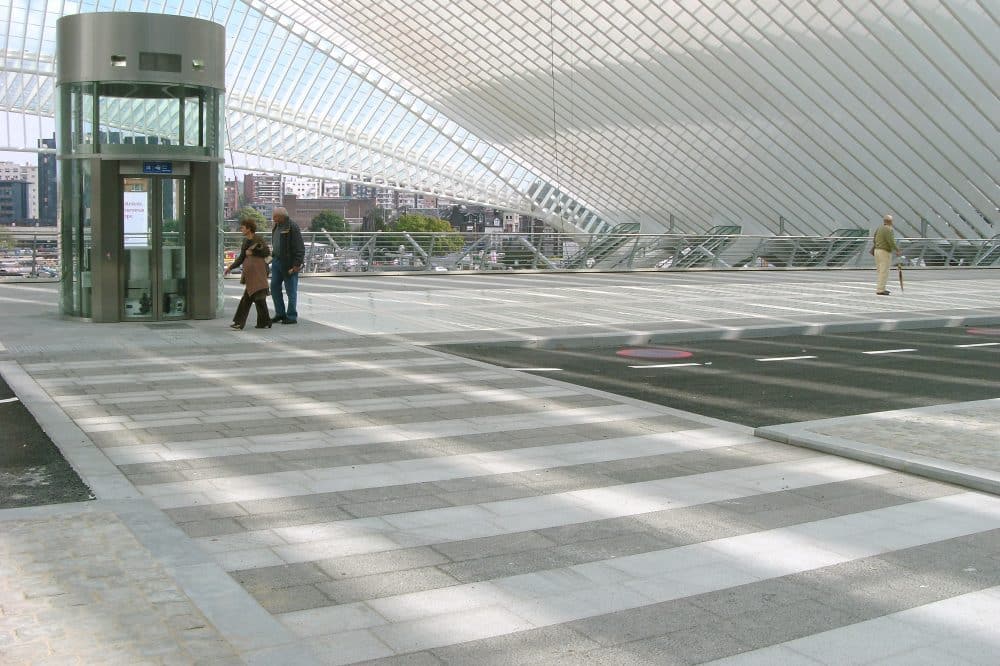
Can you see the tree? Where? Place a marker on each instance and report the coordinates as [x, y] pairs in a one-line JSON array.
[[375, 219], [425, 230], [327, 220], [253, 214], [414, 222]]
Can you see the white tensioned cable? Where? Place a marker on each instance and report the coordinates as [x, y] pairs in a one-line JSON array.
[[803, 178], [347, 145], [699, 160], [352, 120], [931, 162]]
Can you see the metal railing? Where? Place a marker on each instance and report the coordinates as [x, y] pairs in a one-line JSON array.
[[34, 253], [380, 252], [29, 253]]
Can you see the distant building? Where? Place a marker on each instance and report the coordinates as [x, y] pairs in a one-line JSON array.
[[230, 199], [14, 202], [48, 193], [385, 198], [511, 222], [303, 188], [426, 201], [304, 210], [406, 200], [263, 191], [413, 201], [9, 171], [359, 191], [335, 189]]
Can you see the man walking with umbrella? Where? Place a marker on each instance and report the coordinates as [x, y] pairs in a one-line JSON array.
[[885, 245]]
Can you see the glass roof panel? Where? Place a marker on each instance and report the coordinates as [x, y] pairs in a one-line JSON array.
[[823, 113]]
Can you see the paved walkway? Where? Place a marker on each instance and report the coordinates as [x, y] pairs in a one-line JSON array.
[[335, 492]]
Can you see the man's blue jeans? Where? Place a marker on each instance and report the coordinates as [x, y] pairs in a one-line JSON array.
[[279, 277]]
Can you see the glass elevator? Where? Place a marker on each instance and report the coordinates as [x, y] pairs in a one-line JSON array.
[[140, 139]]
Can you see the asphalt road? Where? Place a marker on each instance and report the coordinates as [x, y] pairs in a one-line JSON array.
[[768, 381], [32, 471], [754, 382]]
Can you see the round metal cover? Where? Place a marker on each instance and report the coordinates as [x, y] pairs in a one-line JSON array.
[[983, 331], [653, 352]]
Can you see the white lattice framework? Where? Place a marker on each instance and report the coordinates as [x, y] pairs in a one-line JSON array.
[[777, 115]]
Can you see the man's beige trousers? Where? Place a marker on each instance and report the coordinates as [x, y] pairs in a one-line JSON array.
[[883, 261]]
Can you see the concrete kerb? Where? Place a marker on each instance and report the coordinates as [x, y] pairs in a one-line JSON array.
[[700, 332], [800, 434], [804, 435], [708, 421], [104, 479], [238, 617]]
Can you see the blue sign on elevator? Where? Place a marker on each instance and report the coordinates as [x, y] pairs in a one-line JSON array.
[[158, 167]]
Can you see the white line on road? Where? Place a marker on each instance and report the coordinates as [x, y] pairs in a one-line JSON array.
[[980, 344], [783, 358], [14, 399], [666, 365], [538, 369], [889, 351]]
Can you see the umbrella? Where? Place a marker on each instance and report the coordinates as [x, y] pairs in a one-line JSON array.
[[899, 267]]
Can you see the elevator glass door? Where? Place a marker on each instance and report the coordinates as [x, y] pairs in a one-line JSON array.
[[155, 215]]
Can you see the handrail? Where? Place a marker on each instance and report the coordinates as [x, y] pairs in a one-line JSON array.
[[379, 252], [34, 252]]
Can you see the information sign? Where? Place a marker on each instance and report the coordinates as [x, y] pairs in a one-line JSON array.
[[136, 222], [158, 167]]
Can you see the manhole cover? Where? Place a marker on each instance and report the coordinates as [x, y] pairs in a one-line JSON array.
[[653, 352], [983, 331]]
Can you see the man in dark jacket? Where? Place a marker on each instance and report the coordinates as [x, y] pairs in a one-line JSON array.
[[288, 252]]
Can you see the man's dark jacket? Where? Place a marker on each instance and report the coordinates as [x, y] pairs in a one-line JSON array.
[[289, 249]]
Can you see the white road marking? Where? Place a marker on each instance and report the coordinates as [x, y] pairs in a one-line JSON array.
[[889, 351], [783, 358], [978, 344], [14, 399], [665, 365], [538, 369], [771, 306]]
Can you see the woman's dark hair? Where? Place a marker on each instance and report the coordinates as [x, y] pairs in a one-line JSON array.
[[250, 224]]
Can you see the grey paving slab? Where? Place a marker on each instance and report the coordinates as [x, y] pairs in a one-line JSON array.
[[645, 622], [527, 647], [287, 599], [907, 636], [387, 584], [81, 571], [956, 443], [737, 548]]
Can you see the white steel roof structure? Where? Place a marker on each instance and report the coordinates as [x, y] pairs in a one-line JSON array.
[[794, 116]]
